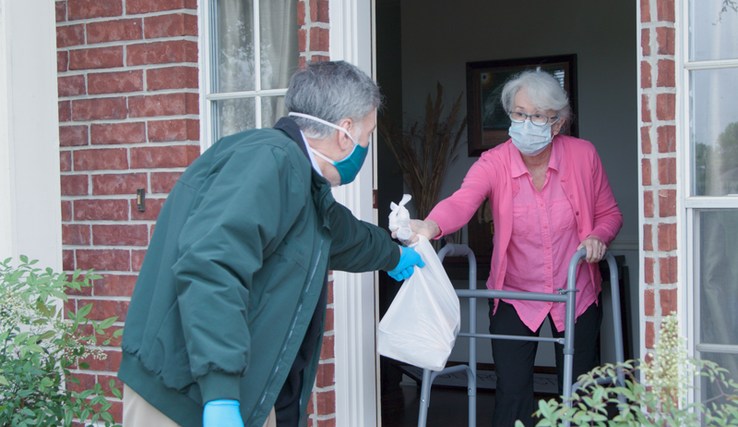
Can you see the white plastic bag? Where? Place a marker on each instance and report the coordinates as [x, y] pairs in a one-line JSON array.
[[421, 324]]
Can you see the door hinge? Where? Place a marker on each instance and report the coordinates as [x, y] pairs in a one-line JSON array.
[[374, 198]]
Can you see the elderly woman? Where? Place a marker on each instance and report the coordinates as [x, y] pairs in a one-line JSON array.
[[550, 197]]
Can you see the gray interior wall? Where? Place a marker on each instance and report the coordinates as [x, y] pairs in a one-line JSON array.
[[439, 37]]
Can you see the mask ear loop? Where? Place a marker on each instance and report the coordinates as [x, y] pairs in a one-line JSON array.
[[325, 122]]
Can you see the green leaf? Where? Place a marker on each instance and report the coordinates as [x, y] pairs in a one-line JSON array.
[[84, 311]]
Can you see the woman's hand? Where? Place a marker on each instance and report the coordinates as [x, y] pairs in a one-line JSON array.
[[596, 249], [427, 228]]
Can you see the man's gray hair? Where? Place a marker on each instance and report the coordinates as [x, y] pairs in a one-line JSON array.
[[544, 91], [331, 91]]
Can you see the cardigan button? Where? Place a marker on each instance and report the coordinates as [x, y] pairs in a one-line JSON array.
[[577, 212]]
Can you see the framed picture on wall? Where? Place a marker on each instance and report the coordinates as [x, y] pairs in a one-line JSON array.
[[487, 120]]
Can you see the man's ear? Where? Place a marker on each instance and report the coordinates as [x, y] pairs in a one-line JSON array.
[[343, 139]]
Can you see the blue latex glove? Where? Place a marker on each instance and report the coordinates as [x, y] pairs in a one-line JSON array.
[[408, 259], [222, 413]]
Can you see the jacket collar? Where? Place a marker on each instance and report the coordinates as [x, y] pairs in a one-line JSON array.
[[288, 126]]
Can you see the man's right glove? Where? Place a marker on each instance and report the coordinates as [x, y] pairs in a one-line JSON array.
[[222, 413], [404, 269]]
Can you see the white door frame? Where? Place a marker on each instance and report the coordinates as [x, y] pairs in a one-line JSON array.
[[351, 31]]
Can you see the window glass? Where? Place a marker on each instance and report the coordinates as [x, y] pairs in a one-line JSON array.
[[234, 46], [234, 115], [713, 30], [272, 109], [714, 131], [279, 50], [710, 390]]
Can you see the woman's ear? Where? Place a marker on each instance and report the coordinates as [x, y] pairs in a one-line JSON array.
[[556, 128]]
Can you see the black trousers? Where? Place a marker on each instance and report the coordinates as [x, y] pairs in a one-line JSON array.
[[514, 360]]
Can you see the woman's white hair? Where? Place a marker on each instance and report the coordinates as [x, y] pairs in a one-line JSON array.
[[544, 91]]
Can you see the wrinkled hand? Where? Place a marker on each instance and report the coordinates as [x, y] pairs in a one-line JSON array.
[[222, 413], [427, 228], [405, 268], [596, 249]]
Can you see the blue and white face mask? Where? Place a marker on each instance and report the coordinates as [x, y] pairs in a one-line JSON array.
[[530, 139], [349, 167]]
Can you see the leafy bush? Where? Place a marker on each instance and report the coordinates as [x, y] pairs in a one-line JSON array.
[[38, 347], [659, 401]]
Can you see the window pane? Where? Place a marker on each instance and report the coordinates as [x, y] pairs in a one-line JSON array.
[[234, 46], [717, 285], [713, 30], [714, 131], [279, 50], [272, 109], [234, 115], [728, 361]]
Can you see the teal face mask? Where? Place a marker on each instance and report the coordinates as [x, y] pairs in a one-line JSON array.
[[349, 167]]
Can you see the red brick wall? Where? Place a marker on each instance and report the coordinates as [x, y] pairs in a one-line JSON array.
[[129, 119], [658, 162]]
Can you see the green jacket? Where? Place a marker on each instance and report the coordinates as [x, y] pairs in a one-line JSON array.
[[233, 275]]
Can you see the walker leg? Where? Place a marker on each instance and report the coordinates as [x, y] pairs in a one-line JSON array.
[[424, 397]]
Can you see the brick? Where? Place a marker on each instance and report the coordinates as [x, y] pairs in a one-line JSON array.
[[86, 9], [649, 270], [668, 270], [153, 207], [103, 260], [61, 11], [120, 235], [164, 157], [102, 159], [665, 10], [73, 135], [302, 62], [667, 171], [645, 10], [105, 309], [162, 182], [70, 35], [115, 285], [74, 185], [118, 184], [75, 234], [100, 210], [99, 109], [101, 57], [327, 350], [145, 6], [665, 40], [111, 363], [118, 133], [170, 25], [158, 105], [313, 10], [649, 306], [666, 139], [650, 335], [68, 260], [648, 204], [172, 78], [646, 75], [300, 13], [71, 86], [666, 74], [326, 375], [322, 11], [645, 109], [65, 161], [192, 104], [325, 402], [66, 210], [116, 82], [645, 42], [173, 130], [667, 203], [667, 237], [329, 320], [84, 382], [646, 171], [319, 58], [328, 422], [319, 39], [668, 300], [647, 237], [137, 259], [62, 61], [665, 106], [302, 40], [65, 111], [84, 291], [646, 139], [330, 291], [113, 31], [162, 52]]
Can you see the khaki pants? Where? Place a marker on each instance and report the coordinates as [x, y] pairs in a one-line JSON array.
[[139, 413]]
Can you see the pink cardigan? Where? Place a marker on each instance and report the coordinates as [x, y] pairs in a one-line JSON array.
[[583, 180]]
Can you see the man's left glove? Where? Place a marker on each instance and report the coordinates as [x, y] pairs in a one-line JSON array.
[[222, 413], [405, 268]]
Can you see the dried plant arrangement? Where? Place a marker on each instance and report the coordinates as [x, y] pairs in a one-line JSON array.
[[425, 149]]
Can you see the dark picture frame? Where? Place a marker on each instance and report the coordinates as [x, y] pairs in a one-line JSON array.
[[488, 123]]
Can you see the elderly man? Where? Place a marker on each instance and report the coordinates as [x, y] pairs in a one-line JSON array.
[[226, 320]]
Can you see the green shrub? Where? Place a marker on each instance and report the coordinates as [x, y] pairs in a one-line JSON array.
[[38, 347], [661, 400]]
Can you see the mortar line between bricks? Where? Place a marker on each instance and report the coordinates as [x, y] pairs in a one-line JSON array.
[[125, 17], [101, 96], [141, 67], [126, 43]]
